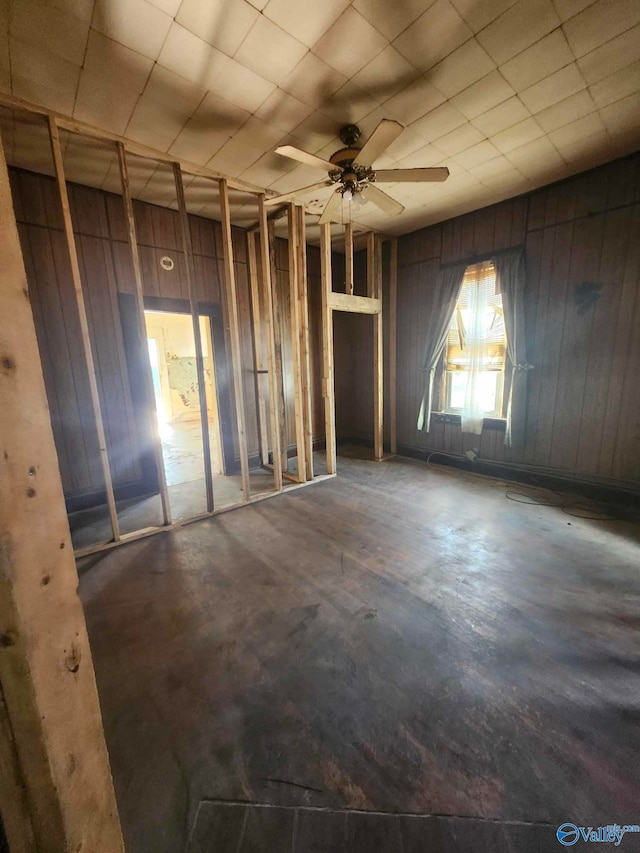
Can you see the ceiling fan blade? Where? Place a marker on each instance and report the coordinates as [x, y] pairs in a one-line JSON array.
[[306, 158], [381, 138], [389, 205], [411, 176], [279, 199], [333, 206]]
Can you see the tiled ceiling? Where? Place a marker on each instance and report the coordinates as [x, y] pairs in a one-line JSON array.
[[509, 95]]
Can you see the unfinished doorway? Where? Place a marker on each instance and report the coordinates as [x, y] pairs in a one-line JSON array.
[[172, 354]]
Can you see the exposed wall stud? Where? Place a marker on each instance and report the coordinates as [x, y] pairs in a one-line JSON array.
[[148, 376], [261, 371], [328, 383], [393, 354], [50, 721], [84, 325], [195, 317], [295, 344], [268, 285], [348, 257], [305, 354], [236, 347]]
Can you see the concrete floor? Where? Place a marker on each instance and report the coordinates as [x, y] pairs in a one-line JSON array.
[[401, 639]]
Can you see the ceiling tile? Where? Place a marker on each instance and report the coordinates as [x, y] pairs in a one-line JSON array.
[[5, 64], [476, 155], [438, 122], [501, 117], [283, 111], [349, 104], [44, 27], [244, 87], [568, 8], [424, 157], [576, 130], [518, 28], [306, 20], [134, 23], [599, 23], [191, 57], [232, 159], [535, 158], [617, 86], [461, 69], [407, 143], [391, 18], [342, 51], [197, 143], [166, 103], [552, 89], [108, 100], [169, 6], [436, 33], [483, 95], [611, 57], [459, 140], [312, 81], [479, 13], [259, 134], [413, 102], [43, 78], [220, 115], [218, 22], [316, 132], [267, 169], [386, 75], [492, 168], [623, 115], [82, 9], [518, 135], [566, 111], [269, 51], [538, 61]]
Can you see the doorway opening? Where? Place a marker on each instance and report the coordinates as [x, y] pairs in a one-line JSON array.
[[172, 352]]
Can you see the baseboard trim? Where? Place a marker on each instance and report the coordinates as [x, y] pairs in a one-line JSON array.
[[619, 495]]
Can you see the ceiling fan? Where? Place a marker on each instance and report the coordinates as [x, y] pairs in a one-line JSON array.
[[351, 171]]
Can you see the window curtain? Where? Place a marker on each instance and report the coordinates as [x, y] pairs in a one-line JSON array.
[[446, 293], [510, 282]]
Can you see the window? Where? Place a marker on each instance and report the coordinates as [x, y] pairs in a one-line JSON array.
[[474, 357]]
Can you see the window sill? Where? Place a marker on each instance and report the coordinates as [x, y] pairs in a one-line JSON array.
[[499, 424]]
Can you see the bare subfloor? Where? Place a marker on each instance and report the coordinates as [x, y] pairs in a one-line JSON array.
[[400, 639]]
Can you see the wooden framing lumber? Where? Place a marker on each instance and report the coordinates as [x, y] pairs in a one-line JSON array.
[[348, 257], [374, 289], [305, 354], [234, 330], [50, 721], [261, 370], [328, 384], [83, 129], [296, 347], [393, 347], [371, 266], [354, 304], [195, 318], [277, 334], [84, 325], [268, 286], [148, 377]]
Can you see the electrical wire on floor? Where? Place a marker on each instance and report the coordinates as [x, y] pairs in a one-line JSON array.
[[575, 508]]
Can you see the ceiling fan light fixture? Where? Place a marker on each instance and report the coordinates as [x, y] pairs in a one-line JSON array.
[[347, 195]]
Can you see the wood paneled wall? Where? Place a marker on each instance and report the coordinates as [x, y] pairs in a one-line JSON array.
[[100, 229], [583, 413]]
